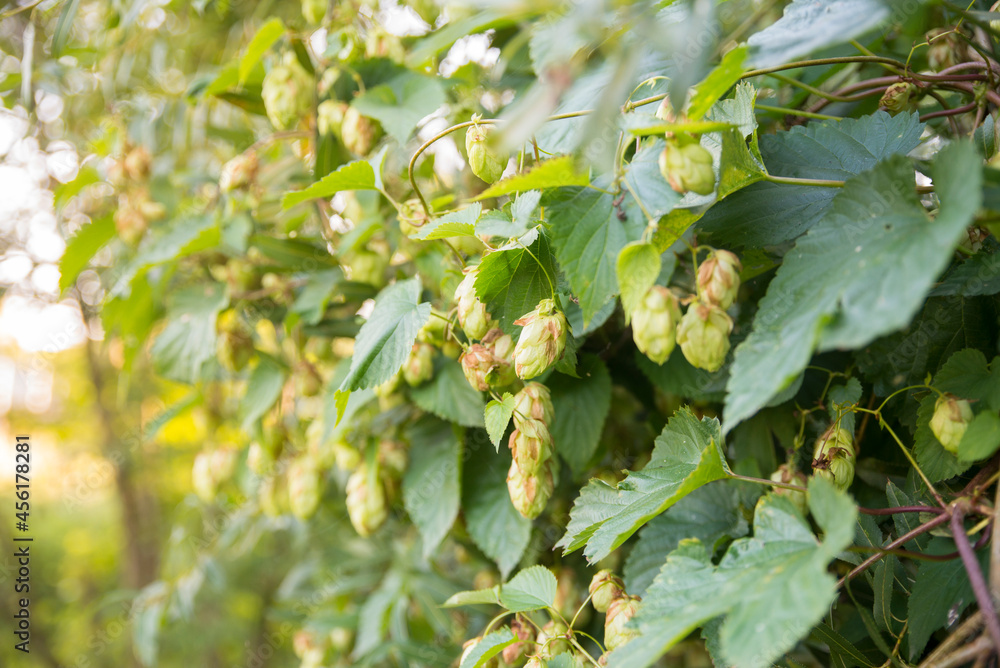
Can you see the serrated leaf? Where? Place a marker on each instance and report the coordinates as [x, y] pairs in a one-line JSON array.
[[863, 271], [456, 224], [449, 395], [967, 375], [533, 588], [638, 267], [768, 214], [489, 596], [672, 227], [511, 282], [493, 523], [810, 25], [400, 104], [687, 455], [357, 175], [580, 406], [883, 583], [771, 588], [263, 389], [552, 173], [724, 76], [840, 645], [977, 275], [488, 647], [587, 237], [981, 439], [188, 341], [497, 416], [433, 480], [82, 247], [385, 340], [264, 39]]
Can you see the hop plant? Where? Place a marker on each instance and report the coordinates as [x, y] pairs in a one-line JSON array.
[[525, 634], [719, 279], [899, 97], [536, 662], [530, 492], [531, 445], [473, 317], [552, 639], [287, 92], [303, 487], [368, 267], [703, 336], [619, 613], [542, 340], [834, 457], [687, 167], [654, 324], [330, 117], [239, 172], [950, 421], [486, 162], [467, 649], [419, 366], [234, 346], [488, 364], [605, 588], [314, 11], [359, 133], [210, 470], [786, 474], [366, 502], [533, 402], [946, 49], [138, 163]]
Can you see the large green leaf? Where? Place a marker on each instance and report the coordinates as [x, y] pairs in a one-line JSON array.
[[549, 174], [687, 455], [533, 588], [863, 271], [512, 282], [587, 236], [264, 39], [449, 395], [637, 269], [810, 25], [82, 247], [645, 183], [581, 406], [432, 482], [402, 103], [385, 340], [765, 214], [357, 175], [771, 588], [263, 389], [188, 341]]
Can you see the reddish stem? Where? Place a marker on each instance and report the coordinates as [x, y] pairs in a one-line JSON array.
[[975, 574]]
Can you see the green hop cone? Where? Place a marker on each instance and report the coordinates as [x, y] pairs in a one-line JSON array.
[[234, 347], [605, 589], [542, 340], [259, 460], [287, 93], [273, 495], [687, 167], [525, 634], [619, 613], [834, 457], [330, 117], [485, 161], [719, 279], [366, 503], [472, 314], [529, 492], [789, 476], [950, 420], [393, 457], [703, 336], [531, 445], [239, 172], [303, 487], [654, 324], [368, 267], [477, 363], [552, 640], [899, 97], [314, 11], [419, 366], [488, 364], [345, 456], [533, 402], [359, 133], [536, 662]]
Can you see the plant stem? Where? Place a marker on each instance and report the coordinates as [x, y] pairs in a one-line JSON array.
[[819, 183], [975, 574], [796, 112], [900, 509], [762, 481], [824, 61], [902, 540]]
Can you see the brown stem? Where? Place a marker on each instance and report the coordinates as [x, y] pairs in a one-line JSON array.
[[995, 552], [900, 509], [964, 655], [975, 573], [902, 540], [959, 636], [949, 112]]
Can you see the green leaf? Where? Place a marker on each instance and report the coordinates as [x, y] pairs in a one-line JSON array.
[[357, 175], [457, 224], [489, 596], [738, 168], [725, 75], [188, 341], [432, 482], [497, 416], [385, 340], [449, 396], [67, 18], [768, 214], [82, 247], [771, 588], [638, 268], [672, 227], [863, 271], [587, 237], [402, 103], [493, 523], [293, 253], [533, 588], [709, 514], [978, 275], [688, 454], [883, 582], [645, 183], [842, 398], [967, 375], [580, 407], [941, 590], [981, 439], [312, 300], [548, 174], [488, 647], [512, 282], [810, 25], [263, 389], [840, 645], [178, 238], [677, 376], [265, 38]]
